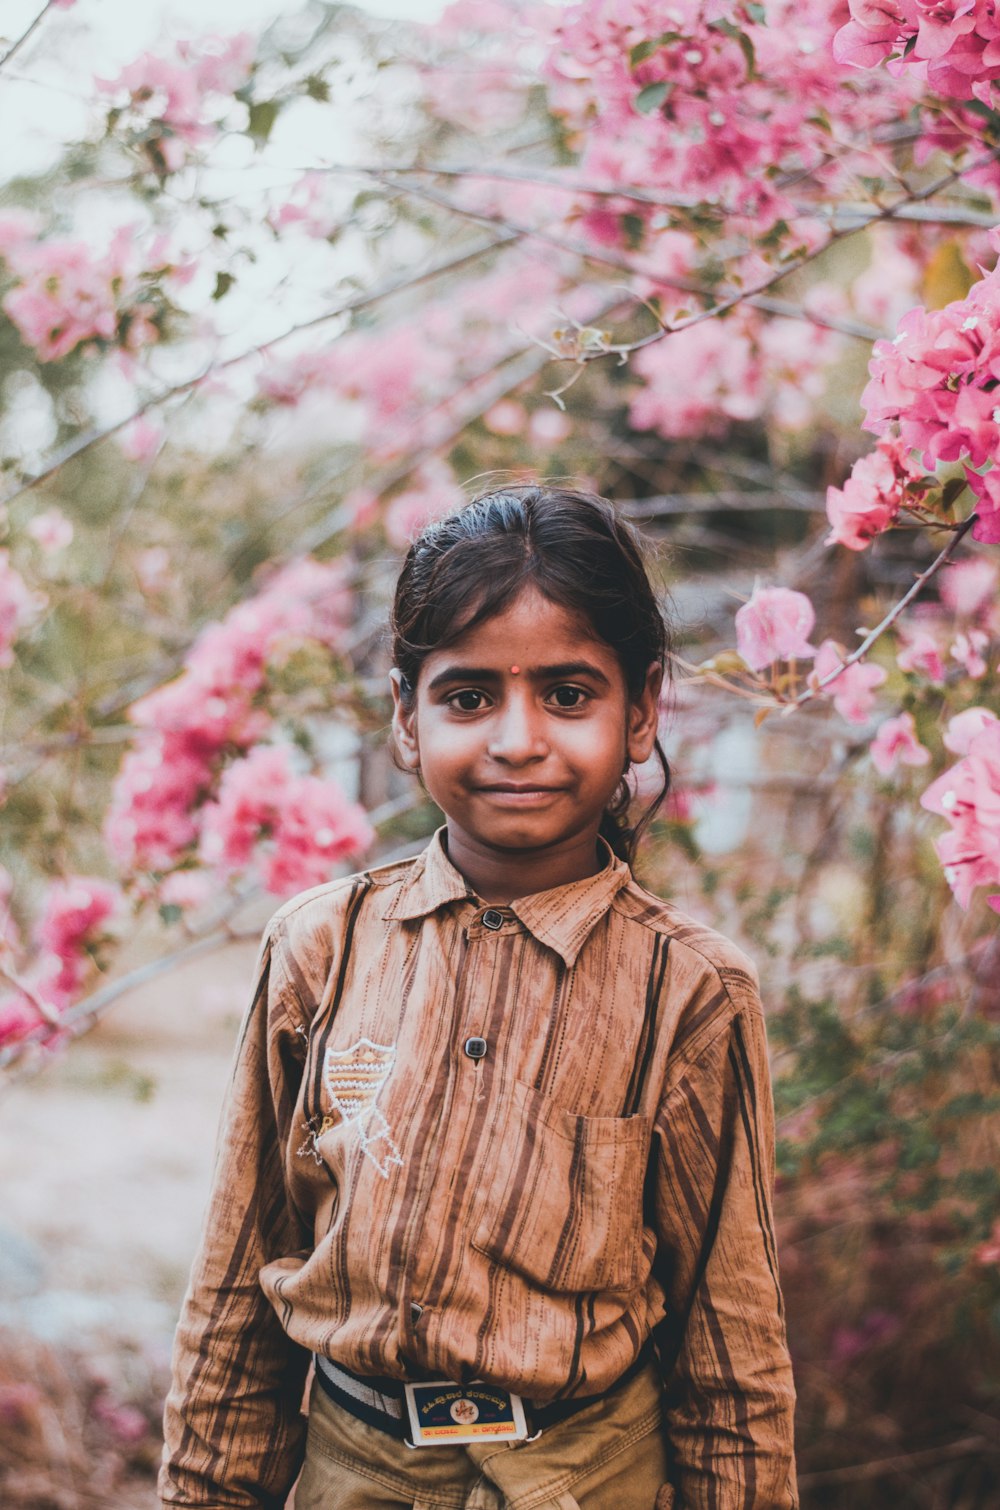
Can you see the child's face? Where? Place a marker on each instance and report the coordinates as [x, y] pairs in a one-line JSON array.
[[525, 759]]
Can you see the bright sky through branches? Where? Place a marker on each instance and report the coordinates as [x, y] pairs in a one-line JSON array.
[[46, 94]]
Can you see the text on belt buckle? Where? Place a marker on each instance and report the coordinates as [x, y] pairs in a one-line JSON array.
[[444, 1414]]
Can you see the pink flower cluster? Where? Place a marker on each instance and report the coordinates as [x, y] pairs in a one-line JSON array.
[[66, 295], [212, 711], [432, 492], [74, 919], [853, 689], [18, 606], [166, 100], [873, 495], [953, 44], [896, 743], [934, 384], [699, 380], [707, 100], [968, 796], [398, 380], [77, 915], [775, 625], [292, 828]]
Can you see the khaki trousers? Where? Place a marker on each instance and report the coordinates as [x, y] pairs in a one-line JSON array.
[[610, 1456]]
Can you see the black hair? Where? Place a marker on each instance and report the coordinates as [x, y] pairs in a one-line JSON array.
[[573, 548]]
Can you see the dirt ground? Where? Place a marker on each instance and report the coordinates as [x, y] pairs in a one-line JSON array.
[[105, 1159]]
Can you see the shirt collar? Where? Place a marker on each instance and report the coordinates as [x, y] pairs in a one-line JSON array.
[[562, 917]]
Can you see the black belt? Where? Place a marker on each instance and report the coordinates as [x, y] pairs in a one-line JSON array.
[[379, 1401]]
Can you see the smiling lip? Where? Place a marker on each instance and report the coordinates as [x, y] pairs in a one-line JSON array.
[[521, 794]]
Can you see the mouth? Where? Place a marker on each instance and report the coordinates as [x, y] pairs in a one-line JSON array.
[[512, 795]]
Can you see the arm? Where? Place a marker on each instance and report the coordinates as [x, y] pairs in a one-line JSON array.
[[729, 1394], [233, 1431]]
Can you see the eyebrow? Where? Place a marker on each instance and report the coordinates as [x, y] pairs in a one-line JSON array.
[[536, 673]]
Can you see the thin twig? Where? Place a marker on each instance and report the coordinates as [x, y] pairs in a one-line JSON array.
[[15, 47], [351, 306], [869, 640], [38, 1002]]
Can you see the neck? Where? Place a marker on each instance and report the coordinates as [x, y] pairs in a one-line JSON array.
[[498, 875]]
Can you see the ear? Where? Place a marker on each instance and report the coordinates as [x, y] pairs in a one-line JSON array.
[[404, 723], [644, 716]]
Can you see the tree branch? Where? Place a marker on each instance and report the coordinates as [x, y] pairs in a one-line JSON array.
[[351, 306], [869, 640], [16, 46]]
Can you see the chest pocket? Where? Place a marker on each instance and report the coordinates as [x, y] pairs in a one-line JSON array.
[[565, 1205]]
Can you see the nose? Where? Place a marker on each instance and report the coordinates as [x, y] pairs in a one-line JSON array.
[[516, 733]]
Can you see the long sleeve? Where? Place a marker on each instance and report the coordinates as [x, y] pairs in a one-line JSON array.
[[729, 1391], [234, 1437]]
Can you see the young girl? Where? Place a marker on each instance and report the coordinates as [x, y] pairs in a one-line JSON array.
[[497, 1152]]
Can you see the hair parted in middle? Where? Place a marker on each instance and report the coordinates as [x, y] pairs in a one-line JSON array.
[[573, 548]]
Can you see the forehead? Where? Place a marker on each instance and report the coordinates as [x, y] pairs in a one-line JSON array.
[[536, 626]]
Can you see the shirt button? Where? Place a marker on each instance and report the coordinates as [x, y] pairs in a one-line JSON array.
[[475, 1048], [492, 919]]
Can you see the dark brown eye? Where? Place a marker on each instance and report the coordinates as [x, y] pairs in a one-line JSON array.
[[468, 701], [569, 697]]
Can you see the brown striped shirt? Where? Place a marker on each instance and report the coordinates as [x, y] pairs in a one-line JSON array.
[[383, 1197]]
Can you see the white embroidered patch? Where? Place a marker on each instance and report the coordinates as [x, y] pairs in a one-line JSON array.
[[353, 1078]]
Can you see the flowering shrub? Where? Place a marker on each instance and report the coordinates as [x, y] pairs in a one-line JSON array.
[[669, 296], [932, 386], [968, 796], [189, 727]]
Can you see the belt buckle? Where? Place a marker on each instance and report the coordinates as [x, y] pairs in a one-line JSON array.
[[445, 1414]]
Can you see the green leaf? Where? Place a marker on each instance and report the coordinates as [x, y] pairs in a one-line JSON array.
[[951, 493], [223, 283], [643, 50], [263, 115], [317, 88], [653, 96], [731, 30]]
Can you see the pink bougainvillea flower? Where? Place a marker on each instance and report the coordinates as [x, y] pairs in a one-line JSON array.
[[921, 654], [871, 497], [549, 426], [301, 825], [967, 587], [17, 227], [774, 626], [186, 889], [506, 417], [188, 728], [968, 649], [18, 606], [76, 914], [52, 530], [968, 796], [709, 375], [853, 691], [896, 742], [986, 490], [434, 493], [142, 439], [964, 727], [18, 1017], [69, 294]]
